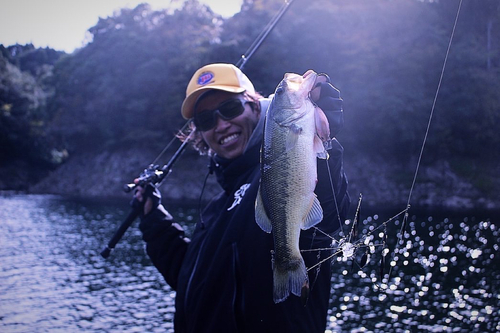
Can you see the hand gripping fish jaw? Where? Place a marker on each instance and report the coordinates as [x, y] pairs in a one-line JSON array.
[[327, 99]]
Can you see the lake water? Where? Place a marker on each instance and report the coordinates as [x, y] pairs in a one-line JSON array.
[[445, 274]]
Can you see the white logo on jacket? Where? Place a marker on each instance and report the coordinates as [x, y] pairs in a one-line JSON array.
[[238, 195]]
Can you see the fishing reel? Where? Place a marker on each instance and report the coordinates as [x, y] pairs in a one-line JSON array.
[[152, 174]]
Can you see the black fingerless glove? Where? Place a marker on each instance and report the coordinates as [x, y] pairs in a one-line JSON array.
[[332, 105], [152, 192]]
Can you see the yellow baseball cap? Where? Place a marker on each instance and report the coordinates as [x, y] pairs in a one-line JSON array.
[[225, 77]]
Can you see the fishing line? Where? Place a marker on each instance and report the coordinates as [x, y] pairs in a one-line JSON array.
[[258, 41], [357, 244], [318, 264], [170, 143], [434, 104], [405, 218], [360, 242], [334, 195]]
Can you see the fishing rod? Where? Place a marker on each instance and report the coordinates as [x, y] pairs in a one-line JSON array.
[[152, 174], [155, 175], [265, 32]]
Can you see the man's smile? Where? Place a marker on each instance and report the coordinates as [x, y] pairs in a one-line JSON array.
[[229, 138]]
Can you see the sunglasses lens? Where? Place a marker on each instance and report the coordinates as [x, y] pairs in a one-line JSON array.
[[231, 109], [227, 110], [204, 120]]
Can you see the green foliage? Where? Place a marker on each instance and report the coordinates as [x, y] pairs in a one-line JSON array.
[[385, 56], [470, 103], [27, 58], [23, 115], [132, 76]]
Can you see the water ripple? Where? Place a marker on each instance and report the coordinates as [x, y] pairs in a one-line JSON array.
[[445, 274], [54, 280]]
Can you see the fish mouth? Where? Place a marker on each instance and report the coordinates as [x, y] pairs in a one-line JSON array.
[[229, 138], [294, 82], [309, 73]]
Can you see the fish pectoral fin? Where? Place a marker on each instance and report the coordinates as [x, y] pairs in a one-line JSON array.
[[323, 155], [292, 136], [319, 148], [261, 216], [314, 216], [322, 124]]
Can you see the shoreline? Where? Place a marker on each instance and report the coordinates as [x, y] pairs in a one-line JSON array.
[[382, 184]]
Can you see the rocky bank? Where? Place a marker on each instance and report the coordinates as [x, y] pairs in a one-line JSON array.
[[381, 184]]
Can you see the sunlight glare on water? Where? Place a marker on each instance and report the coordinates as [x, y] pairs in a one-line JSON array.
[[445, 277]]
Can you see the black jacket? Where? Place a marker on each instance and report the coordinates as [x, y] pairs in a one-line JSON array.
[[223, 275]]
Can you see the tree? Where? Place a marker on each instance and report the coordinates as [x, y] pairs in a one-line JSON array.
[[23, 115], [130, 79], [127, 85]]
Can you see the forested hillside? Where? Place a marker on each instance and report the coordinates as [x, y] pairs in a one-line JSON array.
[[120, 95]]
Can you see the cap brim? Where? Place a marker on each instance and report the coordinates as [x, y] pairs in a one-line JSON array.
[[187, 109]]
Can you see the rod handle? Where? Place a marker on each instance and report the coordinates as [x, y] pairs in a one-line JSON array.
[[106, 252], [120, 232]]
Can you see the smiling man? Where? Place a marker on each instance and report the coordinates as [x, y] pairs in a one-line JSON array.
[[223, 275], [226, 121]]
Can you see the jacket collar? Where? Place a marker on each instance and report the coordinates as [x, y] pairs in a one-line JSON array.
[[229, 172]]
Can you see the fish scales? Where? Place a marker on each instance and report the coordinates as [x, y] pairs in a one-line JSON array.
[[286, 202]]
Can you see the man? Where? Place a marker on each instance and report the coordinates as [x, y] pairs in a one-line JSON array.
[[223, 274]]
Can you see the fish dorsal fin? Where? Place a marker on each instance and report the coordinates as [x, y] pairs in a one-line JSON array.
[[260, 214], [292, 136], [314, 216]]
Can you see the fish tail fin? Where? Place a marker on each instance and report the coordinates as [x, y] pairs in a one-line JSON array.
[[288, 280]]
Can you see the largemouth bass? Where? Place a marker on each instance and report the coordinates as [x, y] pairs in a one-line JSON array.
[[286, 202]]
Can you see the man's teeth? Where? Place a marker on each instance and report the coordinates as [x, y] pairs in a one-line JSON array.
[[228, 138]]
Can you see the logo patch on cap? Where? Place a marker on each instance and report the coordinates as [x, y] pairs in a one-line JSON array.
[[205, 78]]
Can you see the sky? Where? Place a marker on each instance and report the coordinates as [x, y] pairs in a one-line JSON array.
[[62, 24]]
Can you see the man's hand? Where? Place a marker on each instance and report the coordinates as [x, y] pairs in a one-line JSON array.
[[146, 198], [328, 99]]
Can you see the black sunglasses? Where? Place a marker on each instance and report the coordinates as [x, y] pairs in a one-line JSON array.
[[227, 110]]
